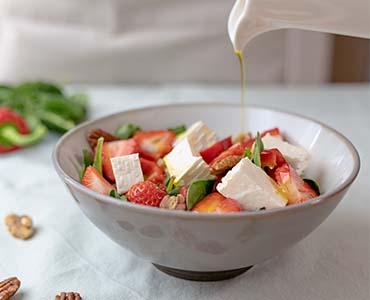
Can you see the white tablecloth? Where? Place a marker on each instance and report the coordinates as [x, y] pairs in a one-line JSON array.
[[68, 253]]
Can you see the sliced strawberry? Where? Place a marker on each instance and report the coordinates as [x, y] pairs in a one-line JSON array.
[[292, 186], [227, 159], [234, 150], [216, 149], [93, 180], [249, 143], [154, 144], [272, 158], [152, 171], [217, 181], [273, 131], [184, 191], [114, 149], [216, 203], [146, 193], [228, 205]]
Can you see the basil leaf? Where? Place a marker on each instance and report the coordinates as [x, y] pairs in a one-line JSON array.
[[114, 194], [171, 187], [87, 157], [167, 180], [313, 184], [127, 130], [257, 149], [169, 183], [34, 87], [247, 153], [86, 162], [197, 191], [174, 191], [178, 129], [97, 164]]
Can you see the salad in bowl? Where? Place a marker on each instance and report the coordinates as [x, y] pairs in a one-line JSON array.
[[193, 169], [200, 201]]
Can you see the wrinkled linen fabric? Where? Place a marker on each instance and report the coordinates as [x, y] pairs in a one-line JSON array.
[[68, 253]]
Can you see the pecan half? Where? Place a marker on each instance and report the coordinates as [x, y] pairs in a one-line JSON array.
[[9, 287], [19, 226], [176, 202], [225, 164], [94, 134], [68, 296]]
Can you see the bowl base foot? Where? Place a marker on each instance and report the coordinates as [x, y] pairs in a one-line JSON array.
[[202, 276]]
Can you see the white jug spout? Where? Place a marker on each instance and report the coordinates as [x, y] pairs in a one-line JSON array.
[[243, 25], [249, 18]]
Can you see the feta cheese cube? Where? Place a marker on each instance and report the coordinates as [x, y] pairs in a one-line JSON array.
[[185, 164], [295, 156], [200, 137], [251, 187], [127, 171]]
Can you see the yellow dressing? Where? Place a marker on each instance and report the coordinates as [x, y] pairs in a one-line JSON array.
[[239, 54]]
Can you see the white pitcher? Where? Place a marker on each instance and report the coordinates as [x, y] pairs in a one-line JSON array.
[[250, 18]]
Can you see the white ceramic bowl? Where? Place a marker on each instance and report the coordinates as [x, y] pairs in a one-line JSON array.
[[208, 246]]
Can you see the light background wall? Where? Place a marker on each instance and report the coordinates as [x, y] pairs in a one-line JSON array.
[[156, 41]]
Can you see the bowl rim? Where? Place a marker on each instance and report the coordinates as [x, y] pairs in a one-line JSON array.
[[142, 209]]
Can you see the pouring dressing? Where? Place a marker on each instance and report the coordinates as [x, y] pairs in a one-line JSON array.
[[249, 18]]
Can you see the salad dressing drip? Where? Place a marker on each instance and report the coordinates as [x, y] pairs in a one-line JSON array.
[[249, 18], [239, 54]]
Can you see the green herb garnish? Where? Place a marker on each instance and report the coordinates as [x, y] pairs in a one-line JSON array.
[[171, 188], [313, 184], [178, 129], [126, 130], [87, 161], [197, 191], [257, 149], [97, 164], [247, 153], [114, 194]]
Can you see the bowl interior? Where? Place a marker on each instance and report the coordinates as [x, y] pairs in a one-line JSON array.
[[333, 158]]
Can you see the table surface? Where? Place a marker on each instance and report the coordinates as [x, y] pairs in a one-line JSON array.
[[68, 253]]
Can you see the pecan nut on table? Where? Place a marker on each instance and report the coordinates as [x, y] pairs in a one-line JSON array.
[[9, 287], [68, 296], [20, 227]]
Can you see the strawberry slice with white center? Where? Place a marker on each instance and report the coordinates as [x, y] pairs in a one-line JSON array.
[[152, 171], [216, 149], [93, 180], [115, 149], [154, 144], [271, 158], [292, 186]]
